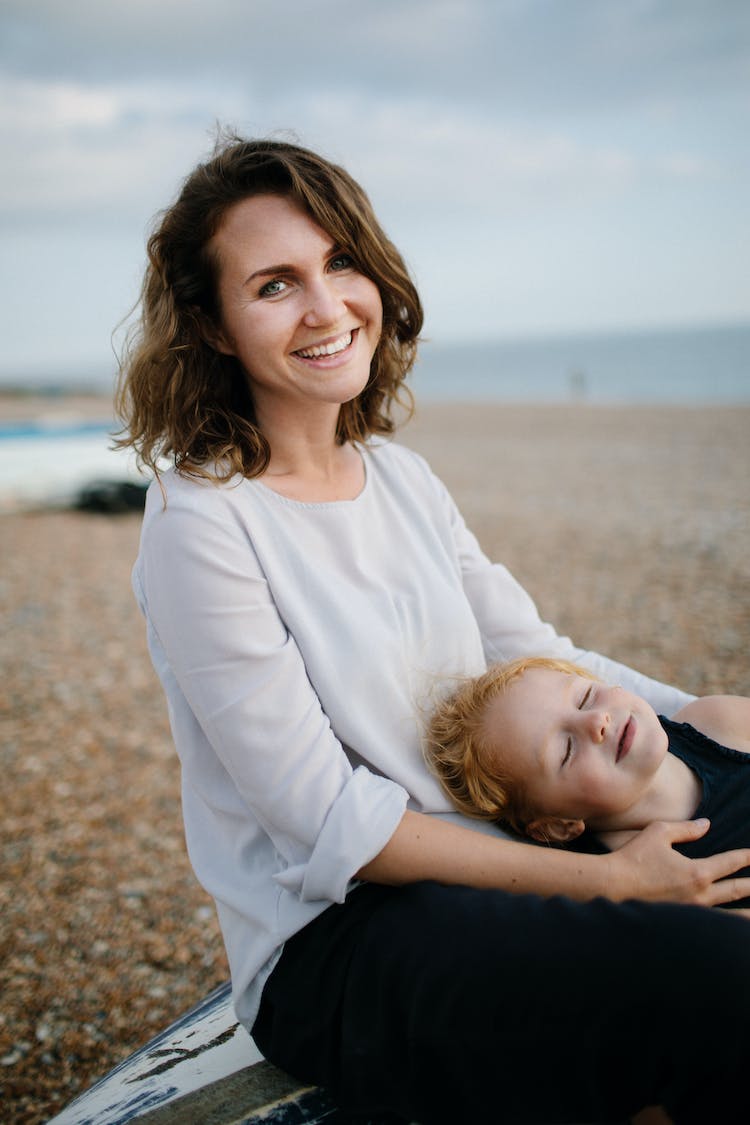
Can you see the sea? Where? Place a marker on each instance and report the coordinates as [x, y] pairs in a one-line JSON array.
[[688, 366], [49, 460]]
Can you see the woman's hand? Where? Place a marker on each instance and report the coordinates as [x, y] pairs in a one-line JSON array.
[[648, 867]]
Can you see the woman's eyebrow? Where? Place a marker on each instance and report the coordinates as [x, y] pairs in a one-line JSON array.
[[268, 271]]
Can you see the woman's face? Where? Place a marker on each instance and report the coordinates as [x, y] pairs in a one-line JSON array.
[[295, 311]]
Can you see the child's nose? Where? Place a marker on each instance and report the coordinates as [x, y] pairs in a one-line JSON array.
[[598, 724]]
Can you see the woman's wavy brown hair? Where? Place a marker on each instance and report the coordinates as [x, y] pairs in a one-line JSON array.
[[469, 767], [182, 400]]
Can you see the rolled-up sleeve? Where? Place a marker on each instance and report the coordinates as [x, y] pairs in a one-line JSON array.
[[365, 813]]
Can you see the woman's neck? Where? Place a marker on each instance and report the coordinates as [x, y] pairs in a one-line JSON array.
[[307, 463], [340, 477]]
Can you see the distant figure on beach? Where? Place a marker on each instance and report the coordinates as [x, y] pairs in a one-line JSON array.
[[303, 576], [554, 753], [578, 384]]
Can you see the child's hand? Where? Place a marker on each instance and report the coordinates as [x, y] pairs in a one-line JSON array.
[[648, 867]]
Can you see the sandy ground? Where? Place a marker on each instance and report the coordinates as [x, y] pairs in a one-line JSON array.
[[630, 527]]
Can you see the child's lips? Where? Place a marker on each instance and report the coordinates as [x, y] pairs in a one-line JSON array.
[[626, 739]]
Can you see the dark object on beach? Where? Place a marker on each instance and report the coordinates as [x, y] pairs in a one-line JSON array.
[[112, 497]]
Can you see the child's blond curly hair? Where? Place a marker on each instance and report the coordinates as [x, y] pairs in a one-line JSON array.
[[469, 769]]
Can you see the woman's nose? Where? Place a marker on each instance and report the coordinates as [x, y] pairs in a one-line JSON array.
[[325, 304]]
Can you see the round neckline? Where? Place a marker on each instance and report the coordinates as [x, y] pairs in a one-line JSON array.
[[290, 500]]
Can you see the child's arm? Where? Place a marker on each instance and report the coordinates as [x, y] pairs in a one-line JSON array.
[[725, 718]]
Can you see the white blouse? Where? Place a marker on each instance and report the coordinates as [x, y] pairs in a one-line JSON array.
[[300, 646]]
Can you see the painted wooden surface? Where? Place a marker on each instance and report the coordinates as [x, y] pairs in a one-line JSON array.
[[203, 1070], [202, 1048]]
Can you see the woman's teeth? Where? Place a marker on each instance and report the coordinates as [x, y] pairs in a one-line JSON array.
[[326, 349]]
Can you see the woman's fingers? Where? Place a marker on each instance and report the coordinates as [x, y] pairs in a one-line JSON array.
[[727, 890], [742, 912], [660, 872], [681, 831], [717, 869]]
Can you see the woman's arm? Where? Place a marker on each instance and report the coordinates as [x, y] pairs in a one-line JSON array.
[[725, 718], [425, 847]]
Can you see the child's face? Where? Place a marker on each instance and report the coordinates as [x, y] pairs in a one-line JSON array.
[[583, 749]]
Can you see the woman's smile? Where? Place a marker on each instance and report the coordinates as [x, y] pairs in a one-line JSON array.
[[327, 349]]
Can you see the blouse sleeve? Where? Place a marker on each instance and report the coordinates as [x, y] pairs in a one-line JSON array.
[[511, 626], [216, 633]]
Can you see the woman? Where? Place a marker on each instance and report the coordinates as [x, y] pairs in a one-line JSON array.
[[302, 581]]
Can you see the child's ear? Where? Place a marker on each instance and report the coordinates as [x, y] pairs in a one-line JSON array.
[[554, 829]]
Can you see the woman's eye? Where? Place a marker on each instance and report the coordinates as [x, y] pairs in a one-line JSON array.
[[584, 701], [342, 262], [272, 288]]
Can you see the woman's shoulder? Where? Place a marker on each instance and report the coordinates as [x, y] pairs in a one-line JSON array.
[[174, 497], [406, 476], [172, 485], [395, 456]]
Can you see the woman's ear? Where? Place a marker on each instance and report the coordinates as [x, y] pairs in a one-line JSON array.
[[554, 829], [214, 335]]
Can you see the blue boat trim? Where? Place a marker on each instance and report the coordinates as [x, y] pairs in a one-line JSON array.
[[33, 431]]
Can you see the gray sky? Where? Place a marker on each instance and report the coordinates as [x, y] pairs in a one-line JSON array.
[[544, 165]]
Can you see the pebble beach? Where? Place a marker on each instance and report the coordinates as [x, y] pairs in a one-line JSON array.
[[630, 526]]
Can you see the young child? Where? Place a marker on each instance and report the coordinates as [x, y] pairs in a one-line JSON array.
[[540, 744]]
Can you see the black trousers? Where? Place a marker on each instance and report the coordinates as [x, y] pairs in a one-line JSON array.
[[449, 1005]]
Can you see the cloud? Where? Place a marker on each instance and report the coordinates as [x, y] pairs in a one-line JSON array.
[[118, 149], [29, 106], [73, 149], [514, 55]]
